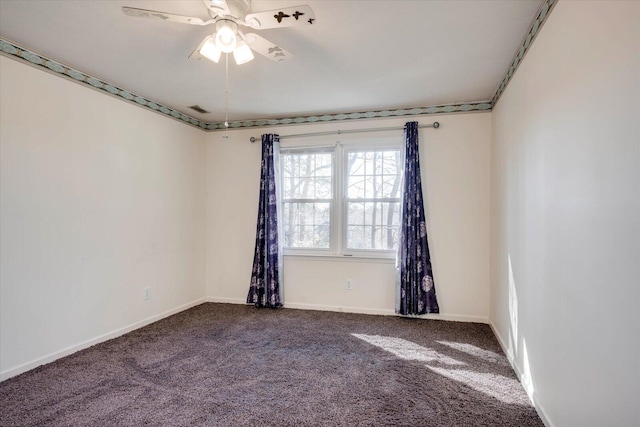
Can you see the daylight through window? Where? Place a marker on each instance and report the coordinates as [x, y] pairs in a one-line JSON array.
[[342, 200], [373, 199], [307, 199]]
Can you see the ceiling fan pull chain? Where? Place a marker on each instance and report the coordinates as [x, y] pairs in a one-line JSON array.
[[226, 91]]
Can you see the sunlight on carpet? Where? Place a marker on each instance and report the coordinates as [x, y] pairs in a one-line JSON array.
[[407, 350], [494, 385], [472, 350]]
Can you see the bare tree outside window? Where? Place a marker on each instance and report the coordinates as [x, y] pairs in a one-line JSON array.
[[369, 201], [307, 199], [373, 199]]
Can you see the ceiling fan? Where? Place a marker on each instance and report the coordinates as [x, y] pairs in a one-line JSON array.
[[228, 16]]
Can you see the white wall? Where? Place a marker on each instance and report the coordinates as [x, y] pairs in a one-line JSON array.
[[566, 216], [455, 168], [99, 199]]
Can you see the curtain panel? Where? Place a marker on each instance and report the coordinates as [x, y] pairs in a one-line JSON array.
[[415, 288], [266, 277]]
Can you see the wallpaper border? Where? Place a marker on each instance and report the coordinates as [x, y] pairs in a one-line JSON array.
[[12, 50], [534, 29]]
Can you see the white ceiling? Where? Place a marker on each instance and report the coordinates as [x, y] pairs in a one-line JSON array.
[[361, 55]]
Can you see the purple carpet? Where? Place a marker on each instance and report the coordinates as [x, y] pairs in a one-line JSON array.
[[234, 365]]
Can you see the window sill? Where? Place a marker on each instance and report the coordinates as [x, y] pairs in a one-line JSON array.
[[339, 258]]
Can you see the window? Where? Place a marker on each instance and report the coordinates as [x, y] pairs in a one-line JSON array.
[[373, 199], [307, 199], [341, 200]]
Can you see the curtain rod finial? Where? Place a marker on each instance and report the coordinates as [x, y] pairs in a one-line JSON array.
[[436, 125], [252, 139]]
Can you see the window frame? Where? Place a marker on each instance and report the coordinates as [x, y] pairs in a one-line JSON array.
[[338, 203], [374, 253], [332, 202]]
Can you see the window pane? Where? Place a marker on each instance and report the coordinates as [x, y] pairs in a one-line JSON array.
[[323, 165], [369, 213], [369, 189], [355, 213], [391, 186], [372, 225], [306, 225], [307, 175], [369, 163], [356, 187], [373, 175], [355, 236], [371, 204], [323, 188], [322, 237]]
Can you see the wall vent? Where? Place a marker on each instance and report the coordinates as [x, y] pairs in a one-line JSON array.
[[199, 109]]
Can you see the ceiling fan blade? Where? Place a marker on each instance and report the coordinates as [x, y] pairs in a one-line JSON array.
[[163, 16], [286, 17], [218, 7], [266, 48], [196, 53]]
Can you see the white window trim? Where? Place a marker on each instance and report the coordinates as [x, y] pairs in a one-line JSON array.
[[370, 253], [338, 250], [332, 202]]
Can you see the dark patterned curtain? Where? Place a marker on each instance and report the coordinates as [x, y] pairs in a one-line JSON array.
[[266, 276], [416, 292]]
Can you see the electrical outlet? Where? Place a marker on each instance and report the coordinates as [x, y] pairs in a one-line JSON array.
[[349, 284], [147, 293]]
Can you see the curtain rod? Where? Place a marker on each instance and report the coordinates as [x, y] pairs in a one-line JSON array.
[[435, 125]]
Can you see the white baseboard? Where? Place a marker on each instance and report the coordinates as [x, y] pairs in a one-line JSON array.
[[226, 300], [88, 343], [456, 318], [339, 309], [358, 310], [534, 399]]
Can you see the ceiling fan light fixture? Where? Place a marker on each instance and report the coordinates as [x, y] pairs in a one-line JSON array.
[[226, 39], [210, 50], [242, 54]]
